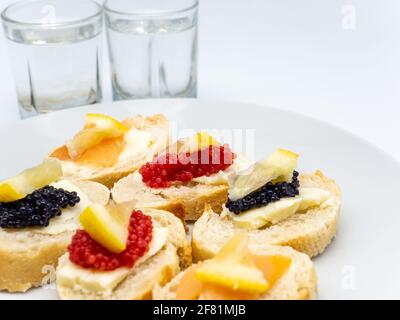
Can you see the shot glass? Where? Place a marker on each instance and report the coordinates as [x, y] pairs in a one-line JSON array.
[[55, 51], [152, 48]]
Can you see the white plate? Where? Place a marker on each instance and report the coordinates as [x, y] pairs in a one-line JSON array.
[[362, 262]]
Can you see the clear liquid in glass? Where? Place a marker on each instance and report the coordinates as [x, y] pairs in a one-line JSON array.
[[153, 58], [55, 68]]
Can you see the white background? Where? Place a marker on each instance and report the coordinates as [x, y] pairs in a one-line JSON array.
[[337, 60]]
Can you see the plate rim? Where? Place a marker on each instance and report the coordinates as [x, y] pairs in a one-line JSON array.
[[326, 123], [196, 103]]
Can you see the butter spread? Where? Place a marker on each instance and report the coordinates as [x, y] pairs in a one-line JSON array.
[[137, 144], [240, 164], [78, 278], [280, 210], [68, 221]]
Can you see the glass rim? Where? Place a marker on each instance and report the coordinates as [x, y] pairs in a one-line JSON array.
[[5, 18], [107, 9]]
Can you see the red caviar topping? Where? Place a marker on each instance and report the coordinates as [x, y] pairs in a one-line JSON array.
[[166, 169], [87, 253]]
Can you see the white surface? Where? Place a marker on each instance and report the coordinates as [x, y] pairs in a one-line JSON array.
[[363, 260], [295, 55]]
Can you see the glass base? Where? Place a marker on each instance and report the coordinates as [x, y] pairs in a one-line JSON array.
[[119, 95], [28, 110]]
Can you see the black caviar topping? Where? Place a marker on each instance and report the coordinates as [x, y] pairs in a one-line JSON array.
[[268, 193], [37, 208]]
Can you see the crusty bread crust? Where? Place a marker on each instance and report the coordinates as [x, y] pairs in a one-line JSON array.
[[108, 179], [157, 270], [193, 200], [176, 234], [298, 283], [25, 256], [21, 270], [186, 202], [158, 125], [309, 232]]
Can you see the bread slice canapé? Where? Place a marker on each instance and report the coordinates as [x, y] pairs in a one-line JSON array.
[[298, 283], [28, 256], [187, 201], [309, 232], [146, 137], [157, 269]]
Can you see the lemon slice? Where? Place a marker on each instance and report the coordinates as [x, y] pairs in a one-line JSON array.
[[104, 228], [237, 248], [199, 141], [233, 268], [30, 180], [233, 275], [279, 166], [98, 127], [9, 191]]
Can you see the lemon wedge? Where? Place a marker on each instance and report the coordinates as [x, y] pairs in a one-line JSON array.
[[30, 180], [9, 191], [98, 127], [235, 249], [104, 228], [233, 268], [199, 141], [279, 166], [234, 276]]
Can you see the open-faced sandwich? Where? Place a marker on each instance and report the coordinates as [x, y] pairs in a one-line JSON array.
[[191, 174], [256, 225], [106, 150], [121, 253], [237, 273], [38, 215], [275, 205]]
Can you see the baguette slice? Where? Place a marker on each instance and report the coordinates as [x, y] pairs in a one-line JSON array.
[[187, 202], [156, 126], [298, 283], [158, 269], [26, 254], [309, 232]]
